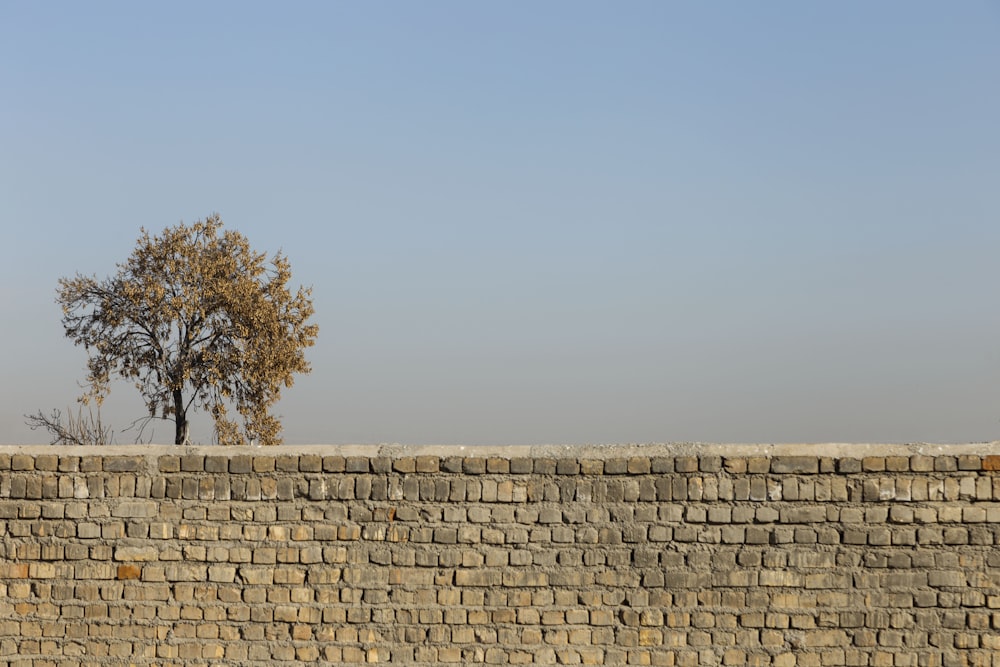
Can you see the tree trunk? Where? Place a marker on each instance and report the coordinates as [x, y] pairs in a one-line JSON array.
[[180, 419]]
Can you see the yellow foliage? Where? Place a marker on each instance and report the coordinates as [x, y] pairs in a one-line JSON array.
[[197, 319]]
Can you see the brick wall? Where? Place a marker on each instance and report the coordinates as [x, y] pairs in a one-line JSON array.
[[657, 555]]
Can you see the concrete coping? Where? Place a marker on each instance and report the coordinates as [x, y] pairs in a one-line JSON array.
[[588, 451]]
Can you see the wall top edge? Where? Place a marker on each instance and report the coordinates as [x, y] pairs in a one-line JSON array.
[[589, 451]]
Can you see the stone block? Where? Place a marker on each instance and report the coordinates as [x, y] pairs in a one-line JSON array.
[[848, 465], [122, 463], [142, 554], [639, 465], [427, 464], [795, 465], [969, 462], [615, 466]]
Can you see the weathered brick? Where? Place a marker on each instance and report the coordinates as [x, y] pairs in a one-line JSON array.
[[711, 464], [848, 465], [945, 463], [22, 462], [474, 465], [795, 465], [639, 465], [969, 462], [137, 508], [127, 553], [428, 464], [122, 463], [404, 465], [873, 463], [615, 466], [567, 467], [47, 462], [991, 462], [310, 463]]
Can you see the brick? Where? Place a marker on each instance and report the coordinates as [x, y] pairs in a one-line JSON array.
[[192, 463], [945, 464], [969, 462], [474, 465], [873, 463], [991, 462], [521, 579], [544, 466], [124, 553], [122, 464], [615, 466], [803, 515], [404, 465], [795, 465], [686, 464], [222, 573], [567, 467], [13, 570], [735, 465], [66, 463], [165, 464], [428, 464], [943, 578], [137, 509], [310, 463], [712, 464], [263, 464], [848, 465], [521, 466], [478, 578], [22, 462], [240, 465], [639, 465], [897, 463], [47, 462]]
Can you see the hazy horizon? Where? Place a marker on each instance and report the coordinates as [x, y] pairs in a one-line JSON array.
[[562, 222]]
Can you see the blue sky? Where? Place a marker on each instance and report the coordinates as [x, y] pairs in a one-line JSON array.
[[555, 222]]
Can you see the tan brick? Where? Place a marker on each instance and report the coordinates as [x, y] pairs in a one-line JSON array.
[[135, 508], [136, 554], [222, 573], [13, 570]]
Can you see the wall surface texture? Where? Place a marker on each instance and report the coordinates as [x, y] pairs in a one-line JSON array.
[[626, 555]]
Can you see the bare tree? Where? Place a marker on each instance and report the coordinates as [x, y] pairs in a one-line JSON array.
[[82, 429]]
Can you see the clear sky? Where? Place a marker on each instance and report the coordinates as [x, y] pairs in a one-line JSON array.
[[535, 222]]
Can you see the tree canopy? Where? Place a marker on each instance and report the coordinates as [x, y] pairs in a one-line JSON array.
[[196, 319]]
